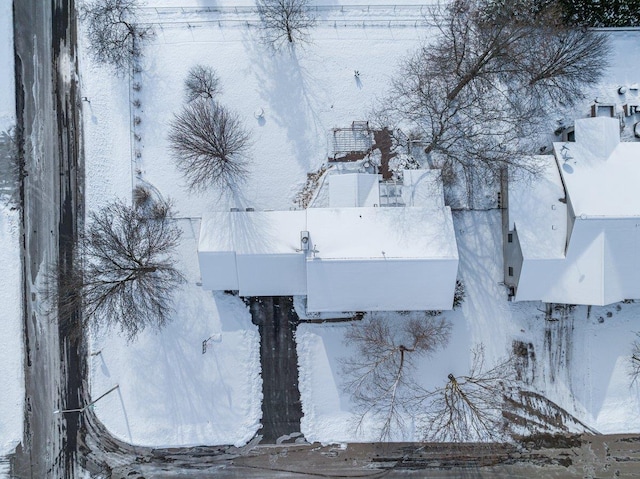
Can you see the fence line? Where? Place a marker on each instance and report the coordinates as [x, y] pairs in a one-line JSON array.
[[332, 15]]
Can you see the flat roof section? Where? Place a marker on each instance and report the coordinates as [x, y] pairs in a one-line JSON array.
[[354, 189]]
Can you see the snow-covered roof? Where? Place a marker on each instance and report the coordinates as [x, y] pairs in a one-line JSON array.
[[381, 259], [354, 189], [253, 252], [359, 258], [600, 225], [602, 266], [381, 233], [422, 188], [537, 214], [600, 172]]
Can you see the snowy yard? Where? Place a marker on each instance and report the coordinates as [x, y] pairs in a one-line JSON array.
[[583, 368], [170, 393], [303, 96]]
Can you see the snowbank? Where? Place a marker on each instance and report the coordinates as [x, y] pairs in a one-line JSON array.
[[11, 366], [7, 88]]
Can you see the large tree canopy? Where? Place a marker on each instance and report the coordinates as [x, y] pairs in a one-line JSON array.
[[126, 273], [209, 145], [479, 94]]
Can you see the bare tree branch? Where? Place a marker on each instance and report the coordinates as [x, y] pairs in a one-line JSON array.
[[379, 374], [482, 93], [469, 408], [125, 275], [114, 35], [634, 360], [209, 145], [201, 83], [285, 21]]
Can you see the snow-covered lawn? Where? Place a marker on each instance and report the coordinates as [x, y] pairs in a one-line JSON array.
[[584, 368], [169, 392]]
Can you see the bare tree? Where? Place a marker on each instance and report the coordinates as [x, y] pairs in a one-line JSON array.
[[209, 145], [634, 360], [481, 93], [469, 408], [115, 36], [125, 275], [285, 21], [201, 82], [569, 61], [379, 373]]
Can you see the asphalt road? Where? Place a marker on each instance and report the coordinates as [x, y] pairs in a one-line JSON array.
[[41, 453]]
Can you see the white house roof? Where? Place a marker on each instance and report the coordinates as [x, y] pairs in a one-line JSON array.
[[602, 266], [422, 188], [601, 261], [406, 233], [252, 232], [381, 259], [253, 252], [600, 172], [354, 189], [537, 214], [358, 258]]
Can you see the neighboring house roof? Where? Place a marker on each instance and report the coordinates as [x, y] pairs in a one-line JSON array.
[[593, 255], [537, 214], [600, 173], [358, 258]]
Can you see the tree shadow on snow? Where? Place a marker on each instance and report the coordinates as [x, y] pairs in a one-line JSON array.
[[291, 95]]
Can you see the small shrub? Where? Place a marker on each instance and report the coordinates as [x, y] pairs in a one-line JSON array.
[[201, 82], [459, 294], [141, 196]]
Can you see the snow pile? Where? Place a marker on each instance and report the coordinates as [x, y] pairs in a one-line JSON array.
[[7, 89], [11, 365], [12, 397]]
